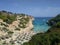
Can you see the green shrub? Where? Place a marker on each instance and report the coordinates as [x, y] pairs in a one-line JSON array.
[[17, 29], [10, 19], [4, 17], [58, 24], [10, 32]]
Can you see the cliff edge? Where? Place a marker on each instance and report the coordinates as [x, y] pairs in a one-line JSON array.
[[15, 29]]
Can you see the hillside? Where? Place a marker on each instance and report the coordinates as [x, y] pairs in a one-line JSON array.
[[51, 37], [15, 29]]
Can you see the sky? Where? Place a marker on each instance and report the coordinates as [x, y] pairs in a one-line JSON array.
[[36, 8]]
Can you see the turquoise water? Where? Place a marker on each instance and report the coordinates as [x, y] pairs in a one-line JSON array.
[[40, 24]]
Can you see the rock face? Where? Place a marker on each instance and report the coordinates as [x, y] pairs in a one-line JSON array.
[[18, 32]]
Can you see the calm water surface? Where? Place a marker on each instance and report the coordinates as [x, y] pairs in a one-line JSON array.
[[40, 24]]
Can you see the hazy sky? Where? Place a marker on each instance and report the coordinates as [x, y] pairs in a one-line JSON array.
[[42, 8]]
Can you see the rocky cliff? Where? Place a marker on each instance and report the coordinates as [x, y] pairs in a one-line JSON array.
[[15, 29]]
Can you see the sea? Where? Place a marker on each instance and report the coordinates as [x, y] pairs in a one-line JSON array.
[[40, 24]]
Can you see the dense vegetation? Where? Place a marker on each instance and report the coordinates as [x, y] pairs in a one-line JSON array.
[[7, 17], [51, 37], [54, 21]]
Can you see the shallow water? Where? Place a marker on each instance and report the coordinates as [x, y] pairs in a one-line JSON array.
[[40, 24]]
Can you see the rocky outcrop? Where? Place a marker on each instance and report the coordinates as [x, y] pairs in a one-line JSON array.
[[18, 32]]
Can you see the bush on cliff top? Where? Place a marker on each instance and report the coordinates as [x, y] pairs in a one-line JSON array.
[[9, 17]]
